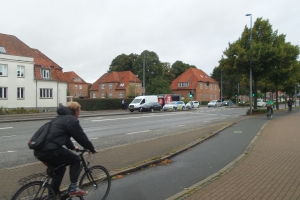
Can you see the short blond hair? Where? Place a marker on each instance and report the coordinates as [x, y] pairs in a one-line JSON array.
[[74, 106]]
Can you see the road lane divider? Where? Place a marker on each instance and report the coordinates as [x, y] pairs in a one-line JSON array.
[[137, 132]]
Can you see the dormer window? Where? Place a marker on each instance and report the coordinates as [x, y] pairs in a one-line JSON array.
[[2, 49], [183, 84], [46, 73]]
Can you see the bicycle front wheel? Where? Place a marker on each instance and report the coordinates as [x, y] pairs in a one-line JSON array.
[[35, 190], [97, 182]]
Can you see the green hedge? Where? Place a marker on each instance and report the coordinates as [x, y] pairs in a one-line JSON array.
[[102, 104]]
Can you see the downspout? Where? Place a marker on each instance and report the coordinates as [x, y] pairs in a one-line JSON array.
[[36, 94]]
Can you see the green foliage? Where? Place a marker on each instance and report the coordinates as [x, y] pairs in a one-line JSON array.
[[273, 61], [21, 110], [102, 104], [256, 111], [179, 67]]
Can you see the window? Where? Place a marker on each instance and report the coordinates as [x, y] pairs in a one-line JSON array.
[[210, 86], [75, 86], [103, 95], [2, 49], [20, 71], [3, 70], [110, 86], [183, 84], [20, 93], [110, 95], [80, 87], [75, 94], [103, 86], [200, 95], [205, 86], [120, 95], [3, 92], [210, 96], [200, 85], [94, 95], [46, 73], [80, 94], [46, 93], [215, 86]]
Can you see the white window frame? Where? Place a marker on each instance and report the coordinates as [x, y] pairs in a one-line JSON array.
[[110, 95], [80, 87], [20, 71], [46, 73], [120, 95], [3, 92], [200, 95], [94, 95], [80, 94], [76, 86], [210, 86], [46, 93], [103, 86], [200, 85], [3, 70], [103, 95], [75, 95], [110, 86], [20, 93]]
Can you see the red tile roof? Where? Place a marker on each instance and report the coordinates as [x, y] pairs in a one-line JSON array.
[[124, 77], [70, 77], [191, 75], [14, 46]]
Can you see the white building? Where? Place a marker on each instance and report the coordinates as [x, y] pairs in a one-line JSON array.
[[28, 78]]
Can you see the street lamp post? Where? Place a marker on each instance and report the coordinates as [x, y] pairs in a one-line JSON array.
[[135, 84], [250, 93], [144, 87]]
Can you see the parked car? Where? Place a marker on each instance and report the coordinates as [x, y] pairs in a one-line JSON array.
[[261, 103], [195, 104], [214, 103], [151, 106], [227, 103], [174, 105]]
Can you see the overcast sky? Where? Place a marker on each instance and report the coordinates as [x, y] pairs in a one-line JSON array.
[[85, 36]]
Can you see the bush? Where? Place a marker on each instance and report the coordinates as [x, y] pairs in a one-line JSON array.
[[21, 110], [256, 111]]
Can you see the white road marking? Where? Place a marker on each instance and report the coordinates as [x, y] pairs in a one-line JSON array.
[[7, 136], [113, 119], [94, 138], [138, 132], [6, 128], [178, 125]]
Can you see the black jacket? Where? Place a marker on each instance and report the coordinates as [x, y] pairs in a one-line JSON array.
[[63, 127]]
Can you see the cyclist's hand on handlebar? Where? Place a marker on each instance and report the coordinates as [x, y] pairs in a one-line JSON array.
[[95, 151], [76, 148]]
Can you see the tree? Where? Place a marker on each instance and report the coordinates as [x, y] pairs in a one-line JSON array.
[[271, 57], [123, 62], [179, 67], [153, 67]]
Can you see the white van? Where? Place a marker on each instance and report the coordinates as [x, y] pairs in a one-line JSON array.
[[139, 100]]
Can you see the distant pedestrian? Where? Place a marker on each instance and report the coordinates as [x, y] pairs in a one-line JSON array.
[[123, 104]]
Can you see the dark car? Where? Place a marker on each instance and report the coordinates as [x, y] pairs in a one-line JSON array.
[[151, 106], [227, 103]]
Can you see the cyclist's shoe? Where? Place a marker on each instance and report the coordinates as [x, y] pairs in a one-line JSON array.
[[77, 193]]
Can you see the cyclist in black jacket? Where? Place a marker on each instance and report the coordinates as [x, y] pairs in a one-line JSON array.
[[65, 126]]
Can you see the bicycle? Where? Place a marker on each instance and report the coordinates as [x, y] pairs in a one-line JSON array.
[[269, 113], [96, 180]]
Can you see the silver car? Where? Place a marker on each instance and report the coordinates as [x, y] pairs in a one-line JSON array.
[[214, 103]]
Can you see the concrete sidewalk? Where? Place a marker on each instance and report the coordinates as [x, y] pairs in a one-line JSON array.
[[269, 168]]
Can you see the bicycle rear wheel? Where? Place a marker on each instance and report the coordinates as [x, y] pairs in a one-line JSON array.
[[97, 182], [35, 190]]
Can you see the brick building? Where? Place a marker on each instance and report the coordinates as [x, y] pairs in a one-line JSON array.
[[116, 85], [202, 86], [77, 87]]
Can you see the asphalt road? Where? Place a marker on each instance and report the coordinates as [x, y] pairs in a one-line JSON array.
[[111, 131]]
